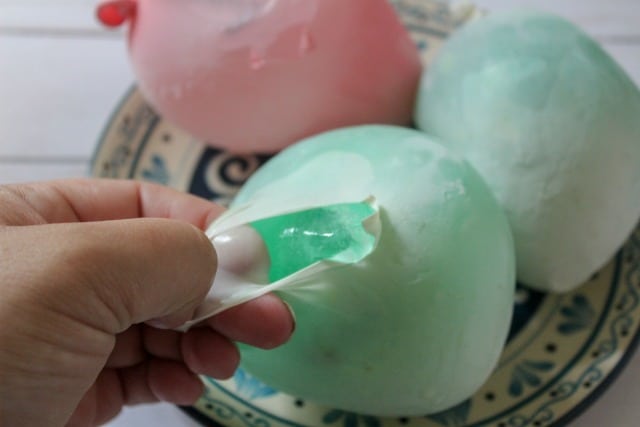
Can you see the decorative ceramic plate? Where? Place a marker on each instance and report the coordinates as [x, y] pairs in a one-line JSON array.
[[563, 350]]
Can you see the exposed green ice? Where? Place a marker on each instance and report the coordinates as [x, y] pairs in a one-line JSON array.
[[296, 240]]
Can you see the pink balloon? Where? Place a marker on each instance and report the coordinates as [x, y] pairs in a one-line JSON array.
[[258, 75]]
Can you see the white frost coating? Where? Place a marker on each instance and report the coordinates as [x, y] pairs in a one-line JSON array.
[[231, 288], [254, 24], [551, 123], [270, 201]]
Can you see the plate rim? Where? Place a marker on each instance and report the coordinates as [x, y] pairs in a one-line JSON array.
[[565, 419]]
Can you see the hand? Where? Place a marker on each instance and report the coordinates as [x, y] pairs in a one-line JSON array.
[[86, 266]]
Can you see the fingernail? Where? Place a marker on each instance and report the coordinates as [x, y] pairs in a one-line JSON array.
[[158, 324], [242, 251], [293, 316]]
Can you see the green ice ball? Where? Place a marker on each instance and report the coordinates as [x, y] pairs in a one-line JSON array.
[[419, 324], [297, 240], [553, 125]]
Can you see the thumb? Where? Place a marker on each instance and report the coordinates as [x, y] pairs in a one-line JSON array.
[[131, 271], [68, 289]]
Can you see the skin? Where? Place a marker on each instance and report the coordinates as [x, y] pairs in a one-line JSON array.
[[94, 274]]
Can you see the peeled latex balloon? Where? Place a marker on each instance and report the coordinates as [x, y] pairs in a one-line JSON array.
[[257, 75], [314, 235], [553, 125], [414, 310]]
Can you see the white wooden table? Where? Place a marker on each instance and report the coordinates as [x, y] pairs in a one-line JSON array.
[[61, 75]]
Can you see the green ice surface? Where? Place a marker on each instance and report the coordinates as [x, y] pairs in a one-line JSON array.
[[296, 240], [416, 326], [552, 123]]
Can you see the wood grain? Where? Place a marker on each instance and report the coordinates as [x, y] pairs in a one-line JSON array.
[[602, 18], [60, 93]]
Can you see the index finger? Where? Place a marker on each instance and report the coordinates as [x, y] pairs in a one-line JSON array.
[[74, 200]]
